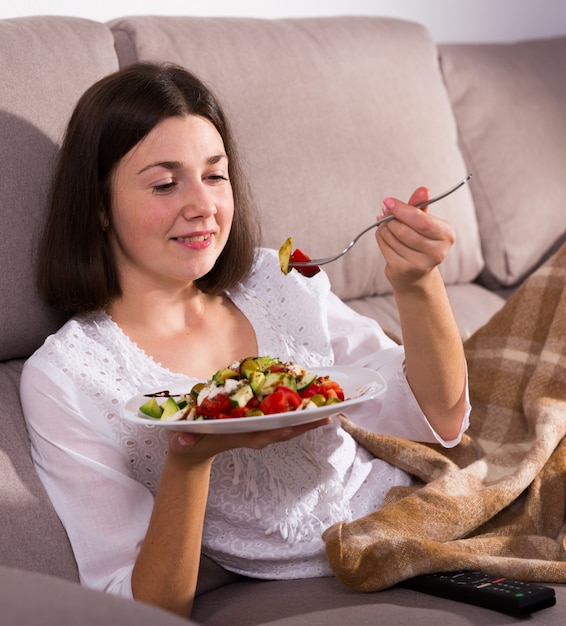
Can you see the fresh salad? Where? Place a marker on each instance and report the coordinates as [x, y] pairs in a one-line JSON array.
[[250, 387], [288, 255]]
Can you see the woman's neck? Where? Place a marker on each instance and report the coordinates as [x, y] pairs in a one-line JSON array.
[[196, 334], [160, 312]]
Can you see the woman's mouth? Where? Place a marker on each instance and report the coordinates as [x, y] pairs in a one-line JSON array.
[[192, 238], [195, 241]]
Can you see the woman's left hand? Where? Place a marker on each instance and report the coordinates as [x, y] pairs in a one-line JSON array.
[[197, 448], [415, 242]]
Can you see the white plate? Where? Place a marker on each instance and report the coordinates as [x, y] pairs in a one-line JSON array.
[[359, 385]]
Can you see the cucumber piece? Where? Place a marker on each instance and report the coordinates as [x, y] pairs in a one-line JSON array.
[[318, 399], [197, 388], [170, 407], [242, 395], [247, 366], [333, 401], [276, 379], [285, 255], [265, 362], [151, 408], [257, 380], [224, 373], [306, 379]]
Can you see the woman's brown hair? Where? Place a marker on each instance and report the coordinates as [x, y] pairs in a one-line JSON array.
[[76, 268]]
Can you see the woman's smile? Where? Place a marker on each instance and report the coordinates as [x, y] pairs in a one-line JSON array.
[[197, 241]]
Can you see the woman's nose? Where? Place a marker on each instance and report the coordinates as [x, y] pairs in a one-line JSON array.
[[198, 201]]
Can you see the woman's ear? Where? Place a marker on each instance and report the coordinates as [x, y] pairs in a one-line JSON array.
[[104, 220]]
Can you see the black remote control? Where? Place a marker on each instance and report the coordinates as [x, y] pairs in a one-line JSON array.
[[491, 592]]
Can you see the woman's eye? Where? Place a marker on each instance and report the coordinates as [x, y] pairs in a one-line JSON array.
[[165, 187], [216, 178]]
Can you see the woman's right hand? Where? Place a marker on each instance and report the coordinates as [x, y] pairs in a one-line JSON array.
[[196, 448]]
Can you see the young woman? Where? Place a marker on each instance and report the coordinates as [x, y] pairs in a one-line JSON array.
[[150, 244]]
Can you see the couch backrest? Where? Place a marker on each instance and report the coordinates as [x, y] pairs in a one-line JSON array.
[[510, 105], [45, 64], [331, 116]]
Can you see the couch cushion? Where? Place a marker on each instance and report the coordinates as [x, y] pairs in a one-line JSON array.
[[332, 115], [45, 65], [469, 318], [31, 535], [325, 602], [29, 599], [510, 103]]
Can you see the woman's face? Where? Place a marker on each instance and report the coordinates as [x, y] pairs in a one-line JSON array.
[[172, 206]]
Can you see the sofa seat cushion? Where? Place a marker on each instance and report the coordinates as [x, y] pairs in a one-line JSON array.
[[331, 116], [473, 306], [29, 599], [325, 602], [510, 101]]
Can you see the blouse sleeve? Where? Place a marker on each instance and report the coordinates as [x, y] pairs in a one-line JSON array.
[[360, 341], [104, 510]]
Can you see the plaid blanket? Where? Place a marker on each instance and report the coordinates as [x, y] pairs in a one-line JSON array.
[[497, 501]]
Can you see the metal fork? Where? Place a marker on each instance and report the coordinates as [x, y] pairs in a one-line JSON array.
[[421, 205]]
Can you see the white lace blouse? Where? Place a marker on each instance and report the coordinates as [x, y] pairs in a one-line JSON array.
[[266, 509]]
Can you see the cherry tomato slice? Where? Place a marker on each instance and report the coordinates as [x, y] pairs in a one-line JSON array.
[[314, 388], [281, 400], [213, 408], [331, 389], [298, 256]]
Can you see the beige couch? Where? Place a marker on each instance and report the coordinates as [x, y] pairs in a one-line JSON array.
[[331, 116]]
